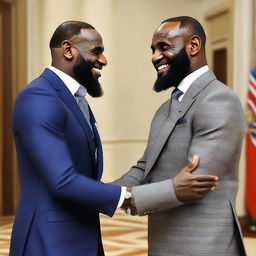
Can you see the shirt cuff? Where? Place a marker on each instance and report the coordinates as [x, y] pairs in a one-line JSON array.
[[122, 197]]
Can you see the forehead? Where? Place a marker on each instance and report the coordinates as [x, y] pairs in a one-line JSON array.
[[90, 34], [90, 37], [168, 30]]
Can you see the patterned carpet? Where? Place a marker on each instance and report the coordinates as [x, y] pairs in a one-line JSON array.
[[123, 235], [5, 231]]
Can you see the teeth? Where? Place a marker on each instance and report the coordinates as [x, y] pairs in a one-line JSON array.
[[97, 70], [162, 67]]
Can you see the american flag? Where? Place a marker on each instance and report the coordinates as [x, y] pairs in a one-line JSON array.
[[251, 146]]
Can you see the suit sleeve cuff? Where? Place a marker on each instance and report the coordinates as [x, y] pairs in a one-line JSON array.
[[155, 197], [122, 196]]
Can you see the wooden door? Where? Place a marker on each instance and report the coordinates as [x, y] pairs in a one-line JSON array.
[[1, 116], [6, 108], [219, 29], [12, 75]]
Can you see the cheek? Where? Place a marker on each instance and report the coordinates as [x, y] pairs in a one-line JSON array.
[[169, 55], [91, 59], [86, 55]]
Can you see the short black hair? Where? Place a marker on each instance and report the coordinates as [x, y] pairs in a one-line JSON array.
[[66, 31], [190, 23]]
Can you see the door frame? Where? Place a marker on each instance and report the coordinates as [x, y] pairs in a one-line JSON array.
[[18, 73], [225, 8]]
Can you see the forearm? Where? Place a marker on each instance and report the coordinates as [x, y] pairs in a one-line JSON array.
[[155, 197]]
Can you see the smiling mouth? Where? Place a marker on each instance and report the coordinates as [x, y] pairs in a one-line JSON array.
[[162, 68], [96, 72]]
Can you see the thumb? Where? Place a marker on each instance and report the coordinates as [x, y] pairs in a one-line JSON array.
[[193, 164]]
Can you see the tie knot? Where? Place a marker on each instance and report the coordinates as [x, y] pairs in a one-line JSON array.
[[78, 96], [81, 92], [176, 93]]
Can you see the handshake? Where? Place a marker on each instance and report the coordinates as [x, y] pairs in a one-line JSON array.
[[187, 187]]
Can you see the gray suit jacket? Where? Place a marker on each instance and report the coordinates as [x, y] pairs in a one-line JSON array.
[[209, 122]]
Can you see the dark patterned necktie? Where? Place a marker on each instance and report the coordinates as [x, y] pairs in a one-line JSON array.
[[176, 94]]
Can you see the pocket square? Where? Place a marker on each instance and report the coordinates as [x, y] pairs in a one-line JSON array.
[[181, 121]]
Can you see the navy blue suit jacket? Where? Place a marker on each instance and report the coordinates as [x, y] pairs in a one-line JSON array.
[[61, 194]]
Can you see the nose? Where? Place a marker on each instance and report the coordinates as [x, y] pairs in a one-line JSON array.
[[102, 60], [157, 55]]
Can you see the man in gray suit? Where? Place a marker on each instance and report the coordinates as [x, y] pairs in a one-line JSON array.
[[203, 117]]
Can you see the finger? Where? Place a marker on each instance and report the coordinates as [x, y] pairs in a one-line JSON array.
[[192, 165], [205, 184], [206, 178], [199, 193], [204, 190]]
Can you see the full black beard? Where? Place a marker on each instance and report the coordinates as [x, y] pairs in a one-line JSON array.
[[179, 69], [84, 76]]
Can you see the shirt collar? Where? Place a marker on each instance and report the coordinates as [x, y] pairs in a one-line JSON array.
[[70, 82], [188, 80]]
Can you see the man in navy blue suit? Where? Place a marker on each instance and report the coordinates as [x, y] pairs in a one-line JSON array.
[[60, 155]]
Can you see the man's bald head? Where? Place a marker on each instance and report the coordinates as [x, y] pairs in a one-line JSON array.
[[67, 31], [192, 26]]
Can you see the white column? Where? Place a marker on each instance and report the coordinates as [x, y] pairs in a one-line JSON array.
[[243, 35], [33, 39]]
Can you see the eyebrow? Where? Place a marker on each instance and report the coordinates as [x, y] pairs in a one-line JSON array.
[[98, 49], [161, 43]]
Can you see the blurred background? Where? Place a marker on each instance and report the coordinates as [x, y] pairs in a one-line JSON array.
[[125, 112]]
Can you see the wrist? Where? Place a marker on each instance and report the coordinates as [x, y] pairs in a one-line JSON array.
[[128, 193], [128, 204]]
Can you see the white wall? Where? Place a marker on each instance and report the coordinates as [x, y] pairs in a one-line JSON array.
[[125, 111], [242, 60]]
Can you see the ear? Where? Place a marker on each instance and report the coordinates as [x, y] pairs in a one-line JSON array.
[[194, 45], [66, 49]]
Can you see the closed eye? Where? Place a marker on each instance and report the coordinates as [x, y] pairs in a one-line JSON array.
[[97, 50], [163, 46]]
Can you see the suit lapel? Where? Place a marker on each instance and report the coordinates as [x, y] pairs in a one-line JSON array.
[[70, 101], [98, 145], [164, 133], [175, 113]]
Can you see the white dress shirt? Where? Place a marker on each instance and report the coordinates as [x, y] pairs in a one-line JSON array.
[[69, 81], [188, 80]]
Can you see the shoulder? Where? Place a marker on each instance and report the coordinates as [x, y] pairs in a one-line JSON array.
[[39, 91], [37, 101], [39, 86], [218, 102], [218, 93]]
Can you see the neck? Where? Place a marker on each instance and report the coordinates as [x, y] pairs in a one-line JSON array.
[[196, 67], [197, 63], [64, 68]]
